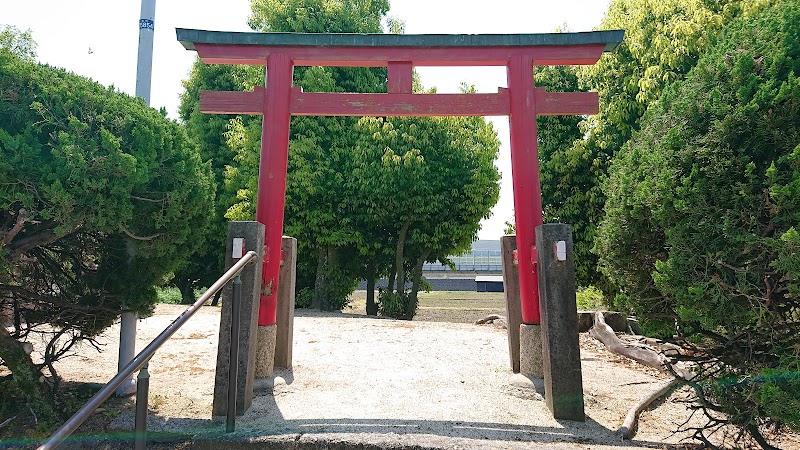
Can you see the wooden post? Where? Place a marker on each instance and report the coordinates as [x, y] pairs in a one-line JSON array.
[[272, 177], [508, 245], [525, 179], [286, 291]]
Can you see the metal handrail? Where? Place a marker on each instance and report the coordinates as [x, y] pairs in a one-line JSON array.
[[142, 358]]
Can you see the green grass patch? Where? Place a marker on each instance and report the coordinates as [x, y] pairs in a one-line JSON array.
[[589, 299], [469, 306], [170, 295]]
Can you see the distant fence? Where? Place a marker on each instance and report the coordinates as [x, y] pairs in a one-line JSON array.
[[476, 261]]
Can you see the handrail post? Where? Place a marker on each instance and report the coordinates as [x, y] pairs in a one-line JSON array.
[[142, 392], [143, 357], [233, 364]]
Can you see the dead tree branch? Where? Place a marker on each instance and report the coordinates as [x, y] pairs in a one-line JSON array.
[[643, 355]]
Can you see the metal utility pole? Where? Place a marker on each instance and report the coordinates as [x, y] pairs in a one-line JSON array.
[[144, 70]]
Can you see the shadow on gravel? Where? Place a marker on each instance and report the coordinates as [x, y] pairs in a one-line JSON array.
[[367, 433]]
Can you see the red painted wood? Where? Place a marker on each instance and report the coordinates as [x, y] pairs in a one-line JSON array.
[[525, 179], [400, 77], [336, 104], [233, 102], [418, 56], [333, 104], [565, 103], [272, 177]]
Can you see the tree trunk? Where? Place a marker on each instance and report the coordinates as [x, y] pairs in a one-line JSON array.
[[398, 257], [319, 281], [215, 300], [187, 291], [331, 263], [392, 277], [26, 378], [412, 304], [372, 307]]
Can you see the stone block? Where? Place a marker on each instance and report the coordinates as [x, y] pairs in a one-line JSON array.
[[265, 354], [585, 321], [616, 320], [285, 313], [563, 382], [508, 245], [530, 351], [253, 234]]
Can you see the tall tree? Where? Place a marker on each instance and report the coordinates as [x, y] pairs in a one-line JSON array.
[[339, 242], [427, 182], [208, 132], [663, 40], [562, 177], [19, 43], [700, 232], [89, 177], [319, 149]]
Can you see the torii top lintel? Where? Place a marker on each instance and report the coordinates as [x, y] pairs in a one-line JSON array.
[[400, 53], [352, 49]]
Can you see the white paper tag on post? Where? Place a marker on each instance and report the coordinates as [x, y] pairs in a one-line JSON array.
[[238, 248], [561, 251]]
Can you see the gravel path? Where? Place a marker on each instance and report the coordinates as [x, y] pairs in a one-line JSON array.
[[394, 384]]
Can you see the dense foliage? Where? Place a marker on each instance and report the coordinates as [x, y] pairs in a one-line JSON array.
[[100, 197], [316, 212], [208, 132], [427, 183], [663, 40], [700, 232]]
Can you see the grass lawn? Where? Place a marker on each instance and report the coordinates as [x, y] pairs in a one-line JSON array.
[[445, 306], [437, 306]]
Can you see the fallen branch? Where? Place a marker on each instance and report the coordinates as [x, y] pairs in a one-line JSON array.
[[488, 319], [139, 238], [640, 353], [643, 355], [7, 421], [628, 428]]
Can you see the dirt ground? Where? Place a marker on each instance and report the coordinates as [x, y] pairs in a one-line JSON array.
[[418, 384]]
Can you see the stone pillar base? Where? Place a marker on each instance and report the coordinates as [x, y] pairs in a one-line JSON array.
[[265, 351], [530, 351]]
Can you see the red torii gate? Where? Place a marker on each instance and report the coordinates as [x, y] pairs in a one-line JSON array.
[[521, 101]]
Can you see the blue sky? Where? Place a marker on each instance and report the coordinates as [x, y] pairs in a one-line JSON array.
[[66, 31]]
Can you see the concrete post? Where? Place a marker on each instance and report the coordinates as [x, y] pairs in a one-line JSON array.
[[144, 69], [286, 290], [252, 234], [563, 383], [508, 246], [531, 350], [144, 65], [265, 353]]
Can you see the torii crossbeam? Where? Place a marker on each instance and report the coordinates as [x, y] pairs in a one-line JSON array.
[[521, 101]]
